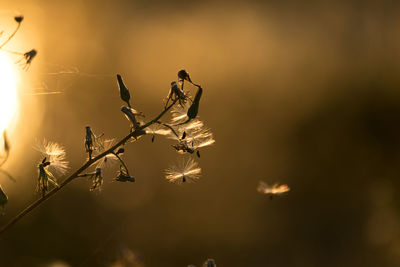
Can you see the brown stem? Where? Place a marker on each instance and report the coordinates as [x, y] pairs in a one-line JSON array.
[[76, 174], [10, 37]]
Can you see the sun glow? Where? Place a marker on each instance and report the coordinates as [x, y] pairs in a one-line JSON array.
[[8, 92]]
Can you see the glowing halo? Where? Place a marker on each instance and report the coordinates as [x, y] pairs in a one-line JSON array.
[[8, 92]]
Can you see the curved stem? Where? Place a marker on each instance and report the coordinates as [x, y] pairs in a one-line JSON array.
[[13, 52], [10, 37], [76, 174], [5, 158], [122, 162], [169, 127]]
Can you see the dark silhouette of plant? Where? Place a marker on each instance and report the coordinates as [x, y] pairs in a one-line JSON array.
[[187, 131], [26, 57]]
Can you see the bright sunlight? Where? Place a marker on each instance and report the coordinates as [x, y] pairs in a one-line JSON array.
[[8, 91]]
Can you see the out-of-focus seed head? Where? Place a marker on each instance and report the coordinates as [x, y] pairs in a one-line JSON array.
[[29, 56], [275, 189], [19, 19], [210, 263]]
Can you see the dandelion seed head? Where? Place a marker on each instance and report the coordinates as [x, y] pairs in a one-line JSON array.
[[157, 129], [179, 113], [184, 171], [108, 160], [55, 154]]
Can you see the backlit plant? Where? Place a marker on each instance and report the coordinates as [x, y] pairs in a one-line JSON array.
[[185, 129]]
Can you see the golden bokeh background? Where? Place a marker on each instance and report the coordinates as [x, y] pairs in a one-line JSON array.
[[303, 93]]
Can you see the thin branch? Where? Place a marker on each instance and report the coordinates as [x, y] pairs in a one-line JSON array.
[[77, 173], [169, 127], [10, 37]]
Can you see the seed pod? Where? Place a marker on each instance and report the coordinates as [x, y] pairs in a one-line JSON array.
[[183, 75], [130, 115], [123, 91], [120, 151], [194, 108]]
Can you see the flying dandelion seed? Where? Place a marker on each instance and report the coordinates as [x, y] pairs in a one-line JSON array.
[[275, 189], [55, 155], [185, 172]]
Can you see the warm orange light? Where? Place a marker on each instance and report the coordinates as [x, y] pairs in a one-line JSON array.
[[8, 91]]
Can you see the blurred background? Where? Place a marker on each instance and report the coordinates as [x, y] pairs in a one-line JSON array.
[[302, 93]]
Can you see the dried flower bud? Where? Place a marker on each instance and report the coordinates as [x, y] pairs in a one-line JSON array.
[[130, 115], [183, 75], [19, 19], [120, 150], [176, 94], [97, 180], [194, 108], [89, 141], [123, 91]]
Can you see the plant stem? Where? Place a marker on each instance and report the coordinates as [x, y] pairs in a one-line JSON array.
[[10, 37], [122, 162], [76, 174]]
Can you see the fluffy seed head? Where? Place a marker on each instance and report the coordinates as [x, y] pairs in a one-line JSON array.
[[185, 171], [55, 154]]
